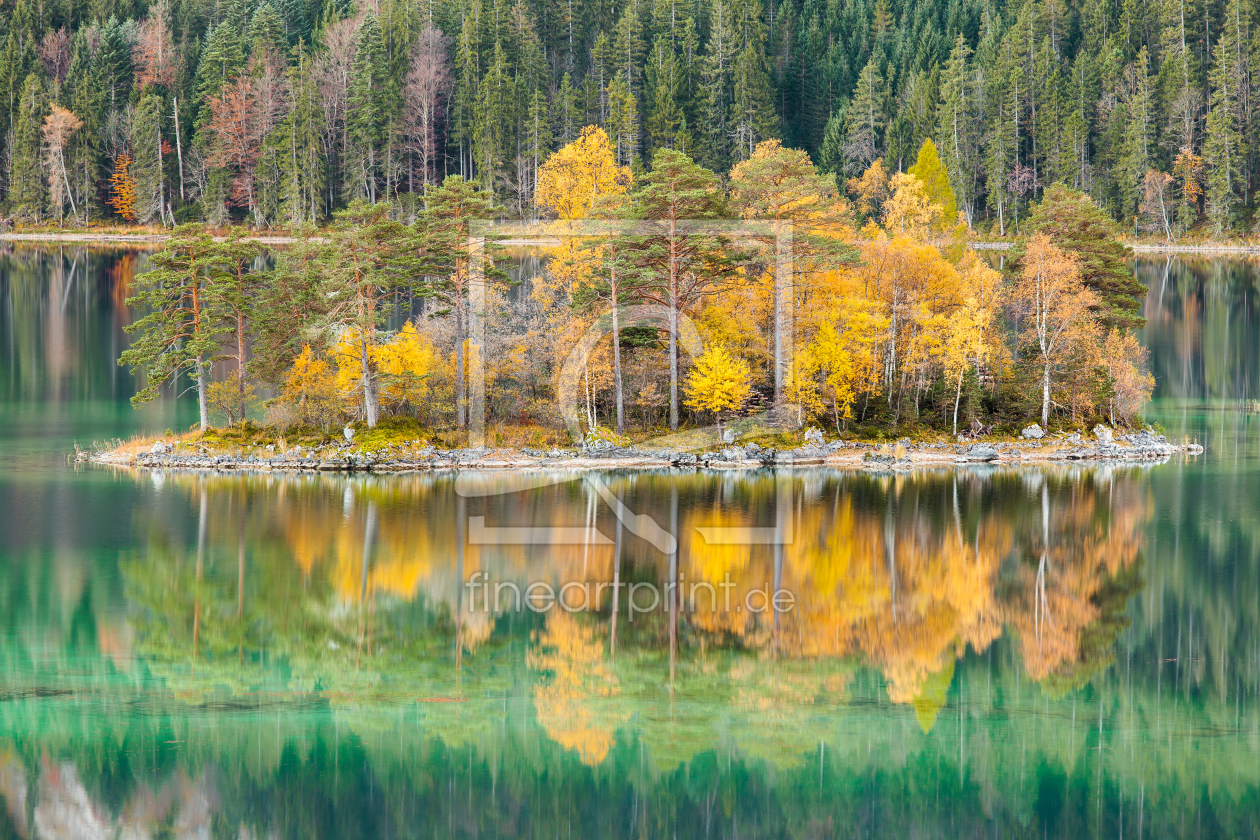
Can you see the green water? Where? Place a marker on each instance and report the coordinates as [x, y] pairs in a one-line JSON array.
[[1054, 653]]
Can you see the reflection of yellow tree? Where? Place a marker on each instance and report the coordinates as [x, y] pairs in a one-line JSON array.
[[1079, 548], [910, 589], [572, 656]]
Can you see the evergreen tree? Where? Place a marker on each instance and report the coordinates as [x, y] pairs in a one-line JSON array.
[[864, 121], [222, 59], [148, 160], [753, 118], [183, 327], [679, 268], [958, 129], [28, 192], [1221, 147], [664, 91], [266, 31], [365, 117], [1137, 156], [443, 229]]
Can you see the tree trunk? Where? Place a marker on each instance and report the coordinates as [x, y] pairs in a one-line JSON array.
[[673, 327], [673, 364], [240, 361], [1045, 397], [460, 393], [616, 340], [370, 408], [179, 148], [203, 408], [957, 400], [778, 344]]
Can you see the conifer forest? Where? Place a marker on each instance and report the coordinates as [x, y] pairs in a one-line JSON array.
[[280, 113]]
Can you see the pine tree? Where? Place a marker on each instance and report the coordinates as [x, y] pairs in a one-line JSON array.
[[443, 229], [679, 268], [183, 327], [369, 258]]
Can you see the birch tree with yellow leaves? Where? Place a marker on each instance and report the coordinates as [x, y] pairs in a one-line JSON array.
[[1057, 306]]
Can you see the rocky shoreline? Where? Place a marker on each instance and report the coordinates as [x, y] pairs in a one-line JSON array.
[[1142, 446]]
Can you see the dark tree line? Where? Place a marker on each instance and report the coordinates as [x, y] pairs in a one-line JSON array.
[[284, 111]]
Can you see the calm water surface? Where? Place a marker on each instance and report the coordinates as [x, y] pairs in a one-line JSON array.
[[1069, 652]]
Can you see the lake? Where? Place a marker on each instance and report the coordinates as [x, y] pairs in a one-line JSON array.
[[1061, 652]]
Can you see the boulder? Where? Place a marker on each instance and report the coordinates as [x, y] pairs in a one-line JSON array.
[[1033, 432], [982, 453], [814, 436], [159, 448], [1103, 434], [728, 436], [348, 431]]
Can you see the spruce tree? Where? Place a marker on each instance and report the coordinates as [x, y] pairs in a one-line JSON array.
[[28, 192], [148, 161], [266, 31], [222, 59], [958, 126], [1221, 147], [664, 84], [753, 118], [365, 117], [864, 121]]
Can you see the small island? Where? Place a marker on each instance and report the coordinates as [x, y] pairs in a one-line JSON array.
[[670, 317]]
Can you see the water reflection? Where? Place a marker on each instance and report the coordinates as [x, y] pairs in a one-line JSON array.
[[957, 629], [1059, 653], [902, 573]]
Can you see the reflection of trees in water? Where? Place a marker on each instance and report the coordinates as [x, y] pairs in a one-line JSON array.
[[63, 313], [910, 571], [1202, 316], [906, 572], [1001, 760]]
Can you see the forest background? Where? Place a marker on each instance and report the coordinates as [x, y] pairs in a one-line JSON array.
[[284, 111]]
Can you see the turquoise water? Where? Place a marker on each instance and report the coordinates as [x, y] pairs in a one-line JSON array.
[[1058, 653]]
